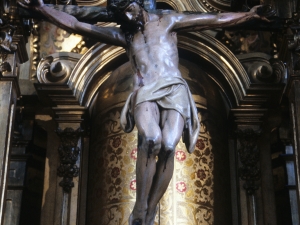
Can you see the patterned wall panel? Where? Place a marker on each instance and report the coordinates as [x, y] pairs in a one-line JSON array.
[[112, 183], [189, 199]]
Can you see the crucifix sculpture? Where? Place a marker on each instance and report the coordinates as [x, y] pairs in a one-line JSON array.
[[161, 105]]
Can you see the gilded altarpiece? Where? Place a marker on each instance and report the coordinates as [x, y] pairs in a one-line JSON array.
[[199, 192]]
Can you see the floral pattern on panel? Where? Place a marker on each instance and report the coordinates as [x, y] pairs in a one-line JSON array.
[[133, 185], [200, 144], [201, 174], [190, 193], [180, 155], [133, 154], [202, 177], [181, 186], [114, 171], [116, 142], [109, 126]]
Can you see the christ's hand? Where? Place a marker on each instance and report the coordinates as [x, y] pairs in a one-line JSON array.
[[263, 12]]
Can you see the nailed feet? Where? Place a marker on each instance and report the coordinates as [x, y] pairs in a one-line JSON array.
[[135, 221]]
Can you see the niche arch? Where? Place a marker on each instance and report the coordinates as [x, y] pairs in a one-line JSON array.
[[93, 75]]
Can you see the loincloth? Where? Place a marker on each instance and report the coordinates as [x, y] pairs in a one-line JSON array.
[[168, 93]]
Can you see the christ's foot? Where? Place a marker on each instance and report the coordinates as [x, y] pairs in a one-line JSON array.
[[135, 221], [150, 217]]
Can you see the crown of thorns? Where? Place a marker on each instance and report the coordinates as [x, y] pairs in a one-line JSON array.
[[116, 6]]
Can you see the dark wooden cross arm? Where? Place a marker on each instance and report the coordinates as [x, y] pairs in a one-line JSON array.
[[109, 35], [89, 14]]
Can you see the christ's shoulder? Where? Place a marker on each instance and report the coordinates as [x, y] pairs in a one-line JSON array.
[[167, 17]]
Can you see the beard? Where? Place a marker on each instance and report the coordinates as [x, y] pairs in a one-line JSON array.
[[133, 26]]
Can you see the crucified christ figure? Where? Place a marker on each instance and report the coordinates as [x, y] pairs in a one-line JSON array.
[[160, 105]]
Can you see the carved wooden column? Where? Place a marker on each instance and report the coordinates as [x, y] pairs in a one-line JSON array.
[[293, 93], [12, 52], [71, 135], [249, 171], [7, 109], [250, 149], [246, 152], [256, 201], [294, 151], [53, 73]]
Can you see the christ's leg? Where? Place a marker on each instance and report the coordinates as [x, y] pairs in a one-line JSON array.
[[146, 117], [172, 127]]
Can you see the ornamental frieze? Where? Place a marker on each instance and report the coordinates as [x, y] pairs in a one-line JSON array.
[[68, 153], [248, 151]]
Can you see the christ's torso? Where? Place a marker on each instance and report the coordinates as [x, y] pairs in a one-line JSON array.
[[153, 52]]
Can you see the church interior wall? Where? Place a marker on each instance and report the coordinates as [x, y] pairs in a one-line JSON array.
[[249, 117]]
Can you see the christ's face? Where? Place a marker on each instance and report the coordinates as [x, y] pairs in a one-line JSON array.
[[133, 14]]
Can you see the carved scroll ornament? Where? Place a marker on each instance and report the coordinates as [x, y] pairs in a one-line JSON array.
[[272, 72], [6, 47], [56, 68], [68, 152], [263, 69], [248, 151]]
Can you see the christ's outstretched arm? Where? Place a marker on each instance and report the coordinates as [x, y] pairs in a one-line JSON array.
[[202, 21], [109, 35]]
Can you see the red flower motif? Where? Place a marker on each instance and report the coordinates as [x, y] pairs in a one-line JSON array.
[[180, 155], [133, 185], [201, 174], [116, 142], [133, 153], [115, 172], [200, 144], [181, 186]]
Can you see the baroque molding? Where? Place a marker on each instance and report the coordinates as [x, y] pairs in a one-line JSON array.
[[64, 2], [56, 68], [80, 48], [199, 6], [68, 153], [262, 69], [12, 45], [294, 44], [248, 152], [90, 2], [7, 49], [6, 34], [34, 48]]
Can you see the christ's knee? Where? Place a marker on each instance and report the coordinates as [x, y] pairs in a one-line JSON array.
[[168, 151], [167, 154], [150, 146]]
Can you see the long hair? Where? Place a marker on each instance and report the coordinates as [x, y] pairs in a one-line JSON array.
[[116, 8]]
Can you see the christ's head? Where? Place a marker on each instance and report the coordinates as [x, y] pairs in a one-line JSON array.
[[130, 12]]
